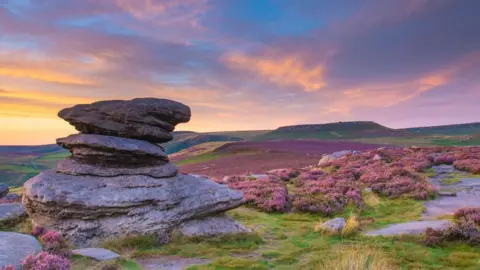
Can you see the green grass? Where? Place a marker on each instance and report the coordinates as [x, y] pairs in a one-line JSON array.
[[54, 156], [451, 180], [200, 158], [394, 211], [24, 169], [83, 263]]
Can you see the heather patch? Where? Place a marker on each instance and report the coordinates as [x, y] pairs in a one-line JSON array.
[[466, 228], [267, 193]]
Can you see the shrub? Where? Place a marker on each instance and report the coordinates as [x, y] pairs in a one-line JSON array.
[[283, 174], [465, 228], [266, 194], [46, 261], [351, 226], [469, 165], [53, 242]]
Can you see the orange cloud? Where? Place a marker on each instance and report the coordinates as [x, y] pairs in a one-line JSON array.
[[44, 75], [283, 72], [431, 82], [383, 95]]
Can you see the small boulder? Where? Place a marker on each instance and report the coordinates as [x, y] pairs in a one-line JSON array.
[[377, 157], [11, 211], [14, 247], [326, 159], [333, 226], [99, 254], [340, 154], [3, 190]]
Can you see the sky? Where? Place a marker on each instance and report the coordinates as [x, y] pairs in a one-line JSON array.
[[240, 64]]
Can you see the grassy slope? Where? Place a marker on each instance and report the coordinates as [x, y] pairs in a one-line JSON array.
[[370, 132], [17, 168]]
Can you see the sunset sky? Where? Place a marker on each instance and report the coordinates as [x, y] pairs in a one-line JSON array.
[[240, 64]]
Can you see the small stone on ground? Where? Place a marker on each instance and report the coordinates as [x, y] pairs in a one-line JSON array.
[[99, 254], [170, 263], [14, 247]]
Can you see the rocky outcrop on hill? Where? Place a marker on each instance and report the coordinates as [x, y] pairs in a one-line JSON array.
[[118, 181]]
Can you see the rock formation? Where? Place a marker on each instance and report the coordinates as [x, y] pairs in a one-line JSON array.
[[118, 181]]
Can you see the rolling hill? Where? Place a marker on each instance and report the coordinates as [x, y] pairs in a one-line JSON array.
[[19, 163], [335, 131]]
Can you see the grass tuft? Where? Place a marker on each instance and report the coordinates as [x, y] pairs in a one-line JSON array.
[[352, 226], [131, 243], [358, 258]]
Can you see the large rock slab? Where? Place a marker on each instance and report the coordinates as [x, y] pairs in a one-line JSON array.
[[92, 148], [73, 167], [99, 254], [212, 226], [11, 211], [148, 119], [414, 227], [89, 209], [14, 247]]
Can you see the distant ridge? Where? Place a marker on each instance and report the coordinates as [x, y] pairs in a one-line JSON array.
[[455, 129], [337, 130]]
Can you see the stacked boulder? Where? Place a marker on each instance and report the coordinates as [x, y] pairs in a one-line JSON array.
[[118, 180]]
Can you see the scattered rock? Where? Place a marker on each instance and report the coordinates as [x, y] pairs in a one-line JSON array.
[[377, 157], [447, 193], [12, 197], [333, 225], [212, 226], [414, 227], [99, 254], [340, 154], [73, 167], [14, 247], [3, 190], [147, 119], [11, 211], [170, 262]]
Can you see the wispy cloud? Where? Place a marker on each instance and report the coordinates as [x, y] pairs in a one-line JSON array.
[[287, 71]]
